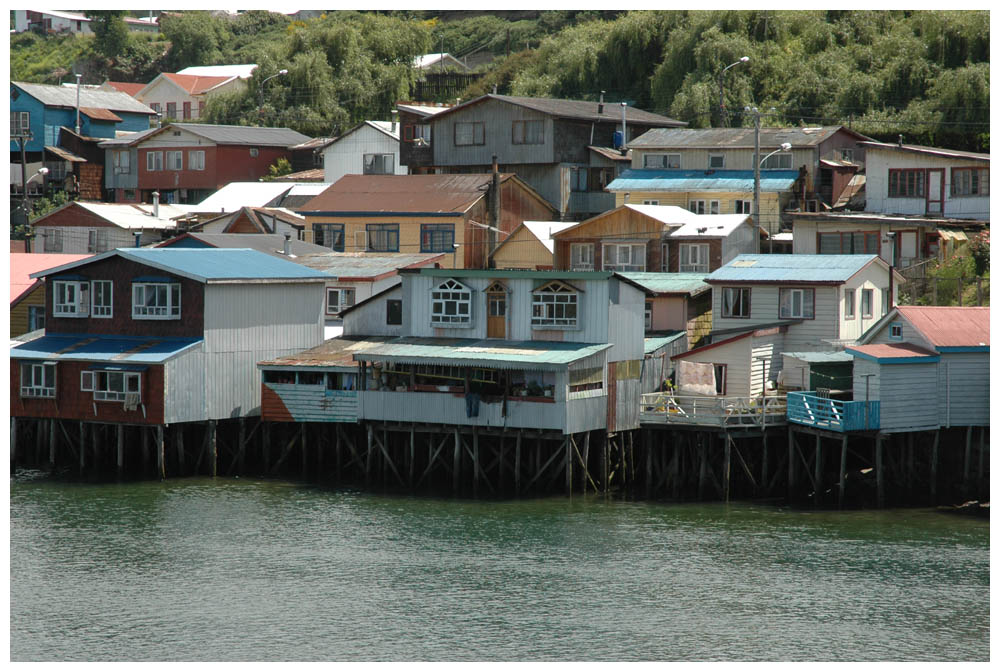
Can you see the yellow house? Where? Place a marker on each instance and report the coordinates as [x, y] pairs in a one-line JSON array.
[[454, 215], [27, 294], [530, 246]]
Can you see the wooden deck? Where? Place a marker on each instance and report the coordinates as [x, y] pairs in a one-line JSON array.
[[661, 408], [808, 408]]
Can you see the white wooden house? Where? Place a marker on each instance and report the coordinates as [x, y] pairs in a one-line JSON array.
[[370, 148]]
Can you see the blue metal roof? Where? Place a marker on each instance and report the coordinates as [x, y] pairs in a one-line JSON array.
[[784, 268], [489, 353], [101, 348], [648, 179]]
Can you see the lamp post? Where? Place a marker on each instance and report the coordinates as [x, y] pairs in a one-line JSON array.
[[757, 161], [723, 121], [26, 208], [260, 90]]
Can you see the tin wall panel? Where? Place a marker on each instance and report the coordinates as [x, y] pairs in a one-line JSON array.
[[184, 387]]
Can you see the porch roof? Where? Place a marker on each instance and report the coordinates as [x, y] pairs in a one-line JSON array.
[[485, 353], [103, 348]]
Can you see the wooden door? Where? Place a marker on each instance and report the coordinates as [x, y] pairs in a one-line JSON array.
[[496, 314]]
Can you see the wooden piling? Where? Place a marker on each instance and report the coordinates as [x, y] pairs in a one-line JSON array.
[[265, 449], [879, 475], [456, 465], [791, 464], [586, 460], [568, 449], [83, 446], [305, 454], [240, 461], [13, 443], [179, 447], [968, 457], [368, 456], [843, 472], [727, 465], [818, 472], [161, 462], [475, 462], [52, 444], [980, 481], [413, 450], [702, 467], [517, 464], [121, 450], [213, 449], [763, 463]]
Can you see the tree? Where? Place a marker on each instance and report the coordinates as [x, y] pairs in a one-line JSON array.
[[277, 169], [196, 38], [111, 37]]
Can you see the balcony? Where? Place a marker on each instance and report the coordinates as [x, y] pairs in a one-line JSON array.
[[728, 412], [808, 408]]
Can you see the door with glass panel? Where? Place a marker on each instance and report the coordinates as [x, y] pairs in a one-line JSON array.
[[496, 311]]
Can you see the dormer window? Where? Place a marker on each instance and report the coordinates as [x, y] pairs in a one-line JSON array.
[[70, 298], [451, 305], [554, 305], [156, 301]]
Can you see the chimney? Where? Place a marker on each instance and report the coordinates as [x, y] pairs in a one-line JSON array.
[[288, 245], [900, 139], [156, 204], [394, 119], [624, 136], [600, 105], [138, 238], [78, 104]]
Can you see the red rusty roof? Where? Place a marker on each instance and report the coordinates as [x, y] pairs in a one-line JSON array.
[[445, 194], [22, 265], [332, 352], [950, 326], [892, 350], [100, 113], [131, 88], [195, 84]]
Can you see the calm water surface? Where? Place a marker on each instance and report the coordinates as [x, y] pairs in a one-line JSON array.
[[267, 570]]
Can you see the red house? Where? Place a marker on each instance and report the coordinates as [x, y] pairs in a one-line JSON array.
[[188, 162]]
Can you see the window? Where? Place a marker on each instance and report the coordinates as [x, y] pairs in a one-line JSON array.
[[394, 311], [665, 257], [849, 310], [693, 258], [599, 178], [742, 207], [650, 201], [777, 162], [122, 162], [154, 161], [867, 296], [101, 297], [849, 242], [97, 240], [187, 109], [36, 317], [906, 183], [703, 207], [469, 133], [111, 385], [970, 181], [796, 303], [419, 134], [624, 257], [554, 305], [451, 304], [581, 380], [70, 298], [716, 161], [736, 302], [338, 299], [437, 237], [171, 110], [156, 107], [669, 161], [896, 331], [201, 108], [53, 240], [527, 132], [581, 256], [196, 160], [156, 301], [383, 237], [254, 152], [648, 323], [578, 178], [720, 378], [329, 235], [38, 380], [885, 301], [379, 164], [20, 124]]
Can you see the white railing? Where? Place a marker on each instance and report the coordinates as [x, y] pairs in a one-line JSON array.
[[666, 408]]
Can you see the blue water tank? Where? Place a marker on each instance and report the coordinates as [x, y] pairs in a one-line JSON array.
[[618, 140]]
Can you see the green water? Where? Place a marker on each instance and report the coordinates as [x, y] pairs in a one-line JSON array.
[[200, 569]]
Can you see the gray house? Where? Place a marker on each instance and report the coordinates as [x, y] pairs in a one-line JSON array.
[[559, 147]]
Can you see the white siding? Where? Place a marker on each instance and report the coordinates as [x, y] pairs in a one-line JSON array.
[[811, 334], [346, 155], [910, 335], [736, 357], [75, 238], [184, 387], [879, 161], [369, 319], [765, 360], [964, 389], [804, 237], [740, 241], [626, 321], [873, 277], [247, 323], [908, 395]]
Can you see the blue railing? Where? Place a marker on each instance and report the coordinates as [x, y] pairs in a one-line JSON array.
[[808, 408]]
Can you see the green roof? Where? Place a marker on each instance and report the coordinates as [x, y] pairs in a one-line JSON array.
[[670, 283], [651, 344], [489, 353]]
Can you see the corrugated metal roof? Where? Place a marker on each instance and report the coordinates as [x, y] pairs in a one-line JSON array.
[[63, 96], [23, 264], [128, 88], [65, 154], [651, 344], [332, 352], [243, 135], [268, 243], [243, 71], [576, 109], [832, 357], [544, 231], [932, 151], [104, 348], [125, 216], [195, 84], [488, 353], [364, 264], [423, 109], [669, 283], [891, 350], [730, 138], [805, 268], [127, 139], [950, 326], [446, 194], [236, 195], [99, 113], [710, 226], [649, 179], [611, 153]]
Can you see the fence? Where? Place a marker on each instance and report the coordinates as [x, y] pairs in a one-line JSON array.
[[808, 408], [961, 291], [664, 408]]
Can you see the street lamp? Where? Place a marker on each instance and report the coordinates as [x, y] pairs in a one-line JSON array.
[[722, 105], [260, 90], [785, 146], [25, 208]]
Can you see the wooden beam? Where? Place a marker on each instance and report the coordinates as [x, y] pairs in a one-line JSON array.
[[179, 447], [83, 446], [161, 461], [583, 461], [934, 465], [791, 465], [388, 459], [818, 467], [475, 462], [517, 463], [213, 449], [413, 450], [843, 472], [243, 447], [121, 450], [879, 476], [286, 451], [456, 472], [727, 466]]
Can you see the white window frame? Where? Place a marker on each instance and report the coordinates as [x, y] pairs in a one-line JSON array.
[[99, 289], [451, 304], [70, 298], [581, 256], [850, 304], [896, 331], [36, 317], [53, 240], [20, 123], [867, 303], [469, 132], [703, 206], [344, 296], [742, 207], [555, 305], [114, 385], [805, 297], [650, 201], [693, 257], [170, 309], [728, 303], [154, 161], [662, 161], [37, 374], [97, 240], [122, 162], [379, 163], [174, 160], [720, 158], [621, 257], [196, 159], [778, 161]]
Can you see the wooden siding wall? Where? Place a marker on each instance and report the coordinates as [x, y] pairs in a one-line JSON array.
[[129, 180], [740, 241], [75, 235], [908, 395], [626, 324], [346, 155], [248, 323], [669, 312], [715, 258], [910, 335], [121, 272], [771, 202], [872, 277], [624, 225], [308, 403], [736, 357], [19, 322], [699, 323], [70, 403], [807, 335], [184, 387], [450, 409], [768, 348], [524, 251], [736, 158], [497, 118], [355, 229]]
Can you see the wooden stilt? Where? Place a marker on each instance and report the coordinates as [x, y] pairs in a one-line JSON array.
[[517, 464], [179, 447], [83, 445], [475, 462], [843, 472], [763, 463], [243, 448], [568, 449], [879, 476], [675, 465], [727, 467], [336, 450], [13, 443], [457, 463], [649, 462], [265, 449], [161, 461], [413, 450], [791, 464], [368, 458], [980, 481], [501, 463], [818, 472], [213, 450], [121, 450], [702, 467], [52, 444], [305, 453], [144, 435], [934, 465], [968, 456]]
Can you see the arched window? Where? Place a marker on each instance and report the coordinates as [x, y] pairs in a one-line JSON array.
[[554, 305], [451, 304]]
